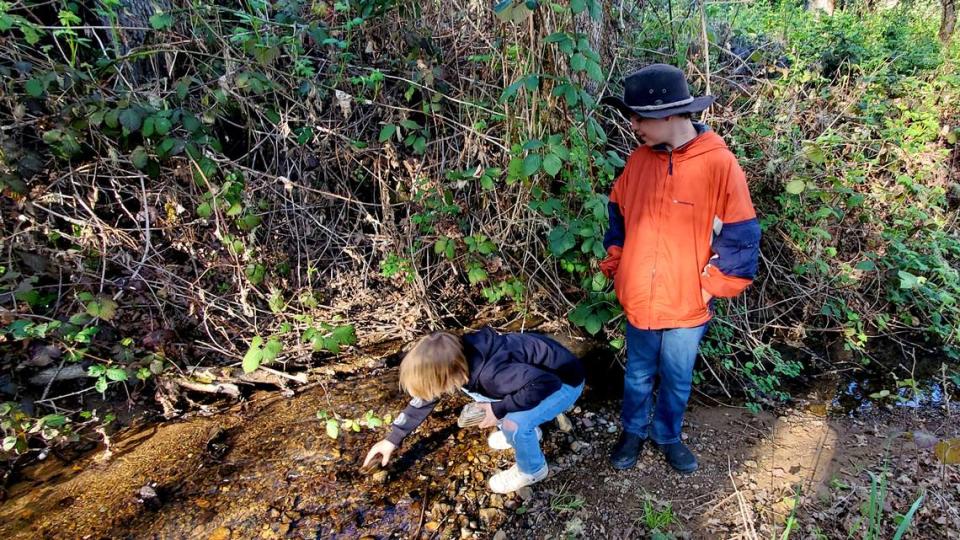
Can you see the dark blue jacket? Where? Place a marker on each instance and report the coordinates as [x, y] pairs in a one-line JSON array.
[[518, 370]]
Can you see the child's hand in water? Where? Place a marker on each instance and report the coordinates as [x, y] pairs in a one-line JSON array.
[[489, 420], [384, 448]]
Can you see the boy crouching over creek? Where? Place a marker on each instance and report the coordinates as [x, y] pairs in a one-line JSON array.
[[519, 380]]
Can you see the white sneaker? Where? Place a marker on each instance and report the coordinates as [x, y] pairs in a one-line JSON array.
[[498, 440], [512, 479]]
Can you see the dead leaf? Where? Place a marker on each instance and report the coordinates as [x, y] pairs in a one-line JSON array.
[[343, 100], [948, 451]]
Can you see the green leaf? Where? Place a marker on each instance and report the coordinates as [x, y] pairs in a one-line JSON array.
[[386, 132], [251, 360], [162, 126], [346, 335], [908, 280], [561, 240], [96, 370], [204, 210], [148, 128], [577, 6], [161, 21], [54, 420], [552, 164], [101, 385], [866, 266], [796, 187], [131, 119], [816, 154], [105, 308], [271, 350], [595, 72], [34, 88], [139, 158], [531, 164], [333, 428], [190, 122], [578, 62], [116, 374], [476, 274], [9, 443], [593, 324]]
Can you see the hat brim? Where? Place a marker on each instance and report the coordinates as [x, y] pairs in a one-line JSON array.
[[697, 105]]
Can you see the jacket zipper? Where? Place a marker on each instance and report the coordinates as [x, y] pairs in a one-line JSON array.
[[653, 274]]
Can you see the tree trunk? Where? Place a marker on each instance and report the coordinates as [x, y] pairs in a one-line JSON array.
[[949, 20]]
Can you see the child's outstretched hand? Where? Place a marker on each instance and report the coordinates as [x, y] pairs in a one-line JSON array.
[[489, 420], [384, 448]]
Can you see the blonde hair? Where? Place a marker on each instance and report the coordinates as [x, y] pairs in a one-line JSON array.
[[434, 366]]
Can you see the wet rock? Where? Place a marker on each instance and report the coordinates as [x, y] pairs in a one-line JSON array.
[[564, 423], [432, 526], [587, 423], [491, 517], [221, 533], [611, 428], [380, 477], [501, 535], [525, 493], [496, 501], [484, 458]]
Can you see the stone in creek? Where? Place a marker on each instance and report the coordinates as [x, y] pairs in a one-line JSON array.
[[491, 517], [221, 533]]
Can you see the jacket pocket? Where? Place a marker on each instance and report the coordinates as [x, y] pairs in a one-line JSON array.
[[689, 297]]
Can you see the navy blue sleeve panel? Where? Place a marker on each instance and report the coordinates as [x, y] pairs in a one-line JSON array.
[[537, 385], [616, 231], [737, 249], [410, 419]]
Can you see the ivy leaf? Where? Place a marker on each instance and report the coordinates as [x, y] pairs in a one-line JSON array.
[[908, 280], [9, 443], [577, 6], [204, 210], [162, 126]]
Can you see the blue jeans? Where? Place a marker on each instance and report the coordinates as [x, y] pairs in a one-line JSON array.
[[523, 438], [669, 354]]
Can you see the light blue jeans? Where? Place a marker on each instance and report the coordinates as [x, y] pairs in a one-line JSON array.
[[521, 433], [668, 355]]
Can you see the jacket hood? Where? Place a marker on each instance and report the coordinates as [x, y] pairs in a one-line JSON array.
[[705, 141]]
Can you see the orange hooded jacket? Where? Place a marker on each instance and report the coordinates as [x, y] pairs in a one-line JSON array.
[[680, 221]]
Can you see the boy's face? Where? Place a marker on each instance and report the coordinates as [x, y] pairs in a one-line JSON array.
[[650, 131]]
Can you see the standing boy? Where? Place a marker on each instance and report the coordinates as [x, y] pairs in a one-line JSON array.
[[682, 231]]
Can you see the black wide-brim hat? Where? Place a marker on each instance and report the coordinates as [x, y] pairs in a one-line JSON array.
[[657, 91]]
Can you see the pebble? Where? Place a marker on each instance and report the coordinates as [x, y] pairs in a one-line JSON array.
[[611, 428], [432, 526], [525, 493], [500, 535], [380, 477], [750, 464], [490, 517], [484, 458], [587, 423]]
